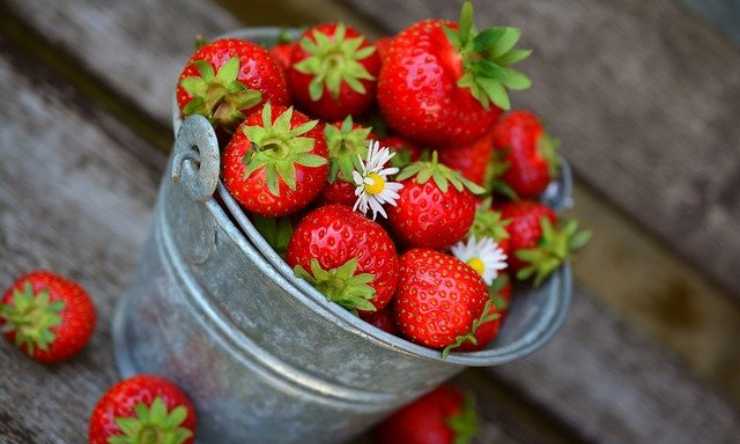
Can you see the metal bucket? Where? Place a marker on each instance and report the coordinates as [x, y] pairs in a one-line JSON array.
[[265, 357]]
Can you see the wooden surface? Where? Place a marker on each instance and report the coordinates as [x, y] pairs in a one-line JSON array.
[[645, 97], [74, 176]]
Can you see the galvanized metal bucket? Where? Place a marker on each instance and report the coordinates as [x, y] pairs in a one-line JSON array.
[[265, 357]]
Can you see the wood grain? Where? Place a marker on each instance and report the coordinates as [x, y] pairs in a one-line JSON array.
[[645, 97], [75, 195], [613, 385]]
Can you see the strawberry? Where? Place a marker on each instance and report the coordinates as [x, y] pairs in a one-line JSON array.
[[48, 317], [382, 45], [275, 164], [406, 152], [540, 243], [489, 223], [349, 258], [283, 50], [472, 160], [439, 298], [431, 213], [500, 295], [444, 416], [347, 143], [382, 319], [529, 153], [442, 82], [143, 409], [224, 79], [282, 53], [333, 72]]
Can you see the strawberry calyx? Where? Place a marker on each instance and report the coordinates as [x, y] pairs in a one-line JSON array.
[[548, 147], [334, 59], [492, 178], [488, 223], [278, 148], [485, 317], [465, 422], [218, 96], [494, 292], [31, 317], [277, 231], [554, 248], [153, 424], [443, 176], [341, 285], [486, 57], [347, 147]]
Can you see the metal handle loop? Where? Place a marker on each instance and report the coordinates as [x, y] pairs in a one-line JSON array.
[[196, 159]]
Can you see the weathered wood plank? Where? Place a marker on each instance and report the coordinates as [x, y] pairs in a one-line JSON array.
[[76, 190], [644, 98], [137, 47], [614, 386], [75, 195]]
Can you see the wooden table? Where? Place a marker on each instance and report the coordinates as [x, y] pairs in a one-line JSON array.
[[640, 92]]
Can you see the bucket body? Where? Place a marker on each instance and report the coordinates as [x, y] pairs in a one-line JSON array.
[[265, 357]]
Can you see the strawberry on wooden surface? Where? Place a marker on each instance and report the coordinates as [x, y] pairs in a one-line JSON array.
[[47, 316], [226, 78], [144, 409], [528, 154], [443, 416], [443, 82], [539, 242], [436, 205], [333, 72], [439, 298], [346, 256], [276, 162]]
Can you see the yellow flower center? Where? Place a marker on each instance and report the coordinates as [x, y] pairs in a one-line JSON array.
[[376, 185], [477, 265]]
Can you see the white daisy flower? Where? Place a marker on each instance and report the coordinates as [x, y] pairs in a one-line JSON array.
[[484, 256], [372, 186]]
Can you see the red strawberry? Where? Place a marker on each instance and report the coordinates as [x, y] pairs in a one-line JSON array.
[[500, 294], [406, 152], [444, 416], [382, 319], [282, 53], [431, 213], [333, 71], [143, 409], [382, 45], [349, 258], [226, 78], [345, 141], [539, 243], [489, 223], [439, 298], [275, 164], [529, 153], [471, 160], [442, 83], [48, 317]]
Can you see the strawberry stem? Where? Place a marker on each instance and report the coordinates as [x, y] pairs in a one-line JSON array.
[[341, 284], [465, 422], [32, 317], [423, 170], [153, 424]]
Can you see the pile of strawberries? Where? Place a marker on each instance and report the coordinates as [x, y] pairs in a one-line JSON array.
[[385, 172]]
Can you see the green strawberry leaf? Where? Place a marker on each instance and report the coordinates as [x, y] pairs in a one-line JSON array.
[[32, 316], [342, 285]]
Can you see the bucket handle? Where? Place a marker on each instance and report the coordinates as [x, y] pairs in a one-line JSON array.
[[196, 144]]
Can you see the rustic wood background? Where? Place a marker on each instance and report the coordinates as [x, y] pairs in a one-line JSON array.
[[642, 94]]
